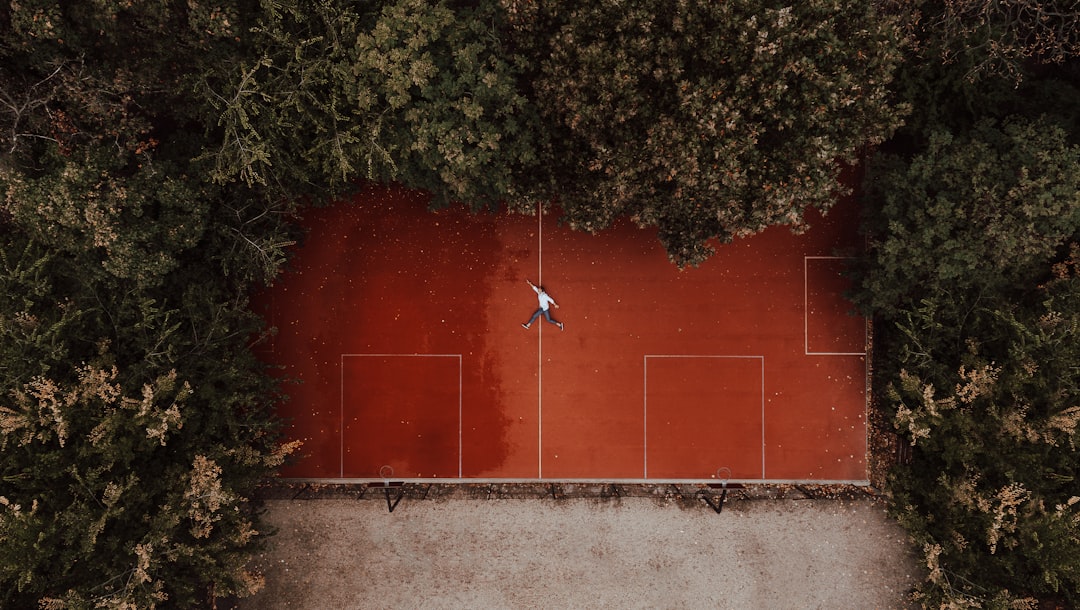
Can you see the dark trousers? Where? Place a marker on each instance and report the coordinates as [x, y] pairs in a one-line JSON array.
[[536, 314]]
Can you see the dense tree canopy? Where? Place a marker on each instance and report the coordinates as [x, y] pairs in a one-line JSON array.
[[134, 419], [134, 425], [973, 280], [995, 37], [991, 496], [971, 60], [973, 217], [412, 91], [152, 152], [704, 119], [981, 211]]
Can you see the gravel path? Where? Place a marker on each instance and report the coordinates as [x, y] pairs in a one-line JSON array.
[[583, 553]]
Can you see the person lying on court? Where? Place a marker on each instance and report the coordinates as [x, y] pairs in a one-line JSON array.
[[545, 300]]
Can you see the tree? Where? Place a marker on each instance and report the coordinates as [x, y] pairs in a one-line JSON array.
[[703, 119], [974, 60], [995, 38], [990, 495], [135, 424], [141, 220], [85, 459], [972, 280], [134, 420], [107, 71], [981, 211], [407, 91]]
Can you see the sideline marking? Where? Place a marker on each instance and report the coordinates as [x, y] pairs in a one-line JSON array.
[[806, 310], [341, 411], [645, 415], [569, 481], [866, 359]]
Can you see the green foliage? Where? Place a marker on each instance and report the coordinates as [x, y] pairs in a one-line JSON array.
[[971, 60], [995, 39], [96, 459], [134, 419], [704, 120], [462, 127], [975, 213], [32, 323], [991, 494], [135, 425], [140, 220], [973, 280], [106, 70], [712, 119], [415, 92]]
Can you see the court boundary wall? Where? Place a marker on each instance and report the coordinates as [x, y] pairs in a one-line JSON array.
[[681, 494]]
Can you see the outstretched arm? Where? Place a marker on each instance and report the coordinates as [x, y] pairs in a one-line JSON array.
[[538, 291]]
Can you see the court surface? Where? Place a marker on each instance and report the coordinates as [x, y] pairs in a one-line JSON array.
[[402, 330]]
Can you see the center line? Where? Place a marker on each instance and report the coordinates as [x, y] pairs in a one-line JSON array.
[[540, 348]]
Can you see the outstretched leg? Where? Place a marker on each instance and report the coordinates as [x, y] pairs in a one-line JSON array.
[[547, 314], [536, 314]]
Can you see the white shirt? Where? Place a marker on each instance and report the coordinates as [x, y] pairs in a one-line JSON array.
[[543, 298]]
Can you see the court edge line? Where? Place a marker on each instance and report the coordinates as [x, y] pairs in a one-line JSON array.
[[806, 310], [645, 398], [485, 481], [403, 355], [645, 417], [341, 411], [460, 420], [763, 417], [866, 403], [761, 356], [341, 416]]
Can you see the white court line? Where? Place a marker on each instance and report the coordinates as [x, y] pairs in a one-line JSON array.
[[806, 310], [645, 417], [540, 347], [866, 410], [540, 244], [866, 364], [610, 481], [341, 413]]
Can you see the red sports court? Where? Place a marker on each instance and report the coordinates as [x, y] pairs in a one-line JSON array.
[[403, 331]]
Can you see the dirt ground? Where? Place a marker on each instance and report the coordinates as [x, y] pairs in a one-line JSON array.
[[583, 553]]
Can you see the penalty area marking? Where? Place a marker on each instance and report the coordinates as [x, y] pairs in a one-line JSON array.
[[341, 413], [806, 310], [645, 415]]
